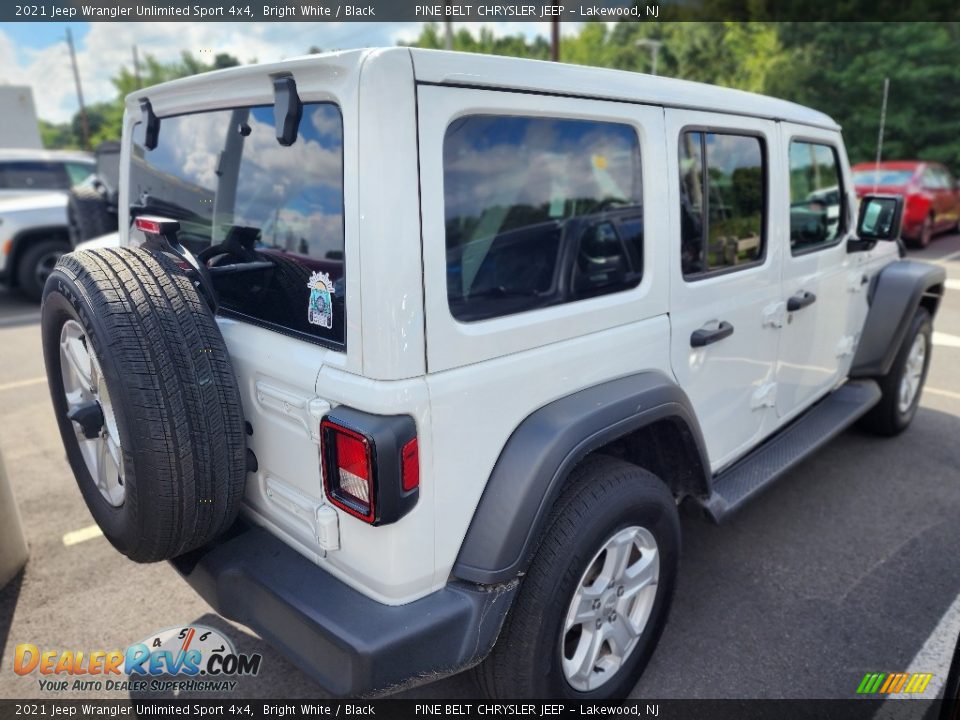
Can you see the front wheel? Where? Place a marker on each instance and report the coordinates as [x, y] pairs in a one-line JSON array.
[[926, 232], [591, 609], [36, 264], [902, 385]]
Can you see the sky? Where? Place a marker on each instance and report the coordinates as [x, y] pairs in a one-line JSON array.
[[36, 53]]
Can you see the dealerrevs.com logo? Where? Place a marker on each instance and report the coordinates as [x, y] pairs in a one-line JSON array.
[[189, 658]]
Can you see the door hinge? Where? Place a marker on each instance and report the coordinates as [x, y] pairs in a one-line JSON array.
[[774, 315], [846, 345], [764, 396], [306, 412], [857, 280], [328, 528]]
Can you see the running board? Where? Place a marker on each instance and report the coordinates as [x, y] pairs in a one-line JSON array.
[[733, 487]]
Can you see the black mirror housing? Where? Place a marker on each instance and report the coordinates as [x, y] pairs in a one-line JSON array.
[[880, 217], [151, 134]]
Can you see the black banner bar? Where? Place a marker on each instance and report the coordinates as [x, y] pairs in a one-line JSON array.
[[473, 11], [854, 709]]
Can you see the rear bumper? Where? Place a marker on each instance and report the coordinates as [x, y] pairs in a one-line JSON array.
[[351, 645]]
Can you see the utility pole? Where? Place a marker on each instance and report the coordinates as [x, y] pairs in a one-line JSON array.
[[84, 121], [555, 35], [883, 120], [448, 26], [136, 67]]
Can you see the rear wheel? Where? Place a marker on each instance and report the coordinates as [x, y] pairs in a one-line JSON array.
[[89, 213], [146, 400], [591, 609], [36, 264]]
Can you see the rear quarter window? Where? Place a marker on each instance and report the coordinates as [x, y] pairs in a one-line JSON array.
[[539, 212]]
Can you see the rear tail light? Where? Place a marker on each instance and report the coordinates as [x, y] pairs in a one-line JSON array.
[[348, 476], [410, 472], [371, 464]]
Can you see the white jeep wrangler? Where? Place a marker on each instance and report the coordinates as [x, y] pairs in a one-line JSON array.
[[408, 358]]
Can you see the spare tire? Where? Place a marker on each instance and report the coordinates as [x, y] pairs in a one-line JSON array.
[[146, 400], [88, 211]]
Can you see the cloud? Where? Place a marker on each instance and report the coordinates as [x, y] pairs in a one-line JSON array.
[[109, 46]]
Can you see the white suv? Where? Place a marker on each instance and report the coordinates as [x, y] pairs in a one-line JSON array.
[[34, 228], [455, 335]]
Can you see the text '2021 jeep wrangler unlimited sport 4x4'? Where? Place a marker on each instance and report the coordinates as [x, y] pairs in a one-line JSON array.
[[454, 335]]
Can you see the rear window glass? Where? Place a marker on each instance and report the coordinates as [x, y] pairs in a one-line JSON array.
[[33, 175], [267, 219], [882, 177], [539, 212]]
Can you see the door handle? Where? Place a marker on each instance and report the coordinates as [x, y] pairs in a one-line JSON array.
[[704, 336], [800, 301]]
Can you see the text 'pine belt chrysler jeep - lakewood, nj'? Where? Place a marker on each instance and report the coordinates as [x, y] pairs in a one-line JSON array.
[[407, 358]]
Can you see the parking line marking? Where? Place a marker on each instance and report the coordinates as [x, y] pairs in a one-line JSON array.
[[948, 258], [22, 383], [944, 393], [946, 340], [934, 658], [14, 319], [82, 535], [951, 284]]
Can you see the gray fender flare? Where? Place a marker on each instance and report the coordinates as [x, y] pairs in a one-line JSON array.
[[894, 297], [532, 468]]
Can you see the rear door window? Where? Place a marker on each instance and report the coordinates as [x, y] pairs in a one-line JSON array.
[[267, 219], [722, 202], [539, 212]]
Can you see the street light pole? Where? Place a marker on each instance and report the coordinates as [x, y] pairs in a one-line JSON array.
[[654, 47]]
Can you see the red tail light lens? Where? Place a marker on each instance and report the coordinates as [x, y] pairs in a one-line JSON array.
[[348, 479], [370, 464], [410, 462], [147, 226]]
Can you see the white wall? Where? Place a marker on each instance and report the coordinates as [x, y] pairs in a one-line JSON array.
[[19, 128]]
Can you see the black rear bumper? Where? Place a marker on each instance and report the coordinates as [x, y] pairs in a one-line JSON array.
[[348, 643]]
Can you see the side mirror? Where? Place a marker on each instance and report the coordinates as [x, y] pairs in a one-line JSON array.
[[880, 217]]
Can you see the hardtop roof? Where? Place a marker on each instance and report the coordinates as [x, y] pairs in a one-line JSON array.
[[520, 74]]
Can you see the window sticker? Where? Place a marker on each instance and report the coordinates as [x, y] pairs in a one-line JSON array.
[[320, 308]]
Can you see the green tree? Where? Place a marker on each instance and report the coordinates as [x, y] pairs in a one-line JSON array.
[[840, 69], [106, 118]]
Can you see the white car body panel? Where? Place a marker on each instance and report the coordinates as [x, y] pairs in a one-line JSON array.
[[31, 211]]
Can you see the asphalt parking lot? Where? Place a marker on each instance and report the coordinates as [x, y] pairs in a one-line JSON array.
[[848, 565]]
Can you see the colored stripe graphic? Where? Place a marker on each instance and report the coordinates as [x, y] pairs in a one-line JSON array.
[[893, 683], [870, 683]]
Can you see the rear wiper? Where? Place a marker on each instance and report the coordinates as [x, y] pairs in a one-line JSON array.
[[501, 291], [240, 267]]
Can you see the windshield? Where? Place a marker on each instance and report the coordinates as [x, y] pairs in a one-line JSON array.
[[272, 215], [882, 177]]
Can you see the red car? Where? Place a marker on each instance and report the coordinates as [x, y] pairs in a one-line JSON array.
[[931, 195]]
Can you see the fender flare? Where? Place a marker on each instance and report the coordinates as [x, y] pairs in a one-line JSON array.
[[896, 293], [533, 466]]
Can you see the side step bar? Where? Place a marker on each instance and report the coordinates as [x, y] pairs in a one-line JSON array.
[[733, 487]]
